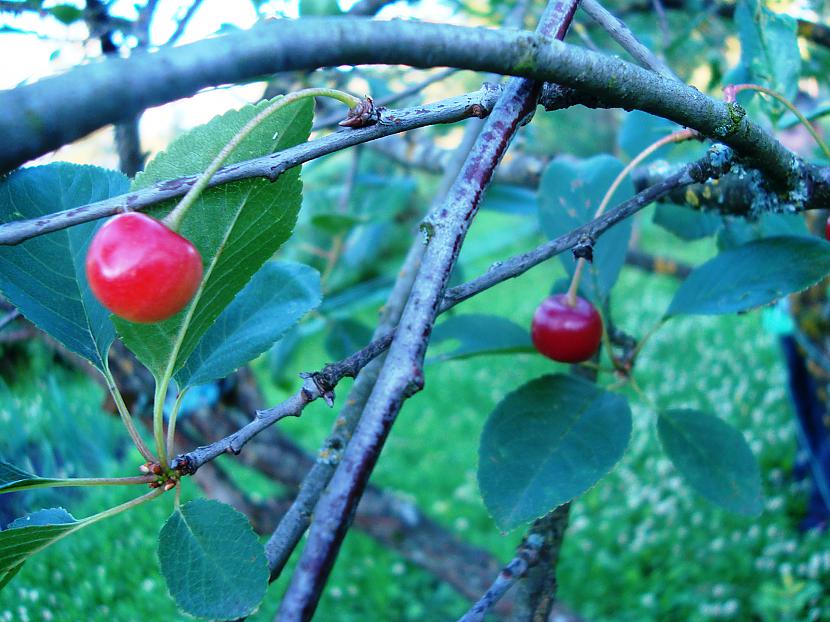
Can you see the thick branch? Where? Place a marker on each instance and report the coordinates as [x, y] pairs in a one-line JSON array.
[[402, 372], [97, 94]]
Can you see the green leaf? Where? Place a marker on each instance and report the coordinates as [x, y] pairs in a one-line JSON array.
[[276, 298], [547, 442], [236, 227], [346, 337], [752, 275], [335, 223], [66, 13], [686, 223], [569, 194], [27, 536], [45, 277], [640, 129], [737, 231], [714, 458], [481, 334], [13, 479], [212, 560], [769, 48]]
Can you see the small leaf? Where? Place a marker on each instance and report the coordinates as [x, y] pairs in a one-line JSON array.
[[13, 479], [276, 298], [212, 560], [481, 334], [28, 535], [713, 458], [45, 277], [686, 223], [346, 337], [752, 275], [769, 47], [547, 442], [569, 194], [236, 227]]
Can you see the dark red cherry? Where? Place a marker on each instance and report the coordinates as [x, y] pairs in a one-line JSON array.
[[565, 333]]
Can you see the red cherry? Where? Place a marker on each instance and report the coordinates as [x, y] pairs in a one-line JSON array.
[[564, 333], [827, 229], [141, 270]]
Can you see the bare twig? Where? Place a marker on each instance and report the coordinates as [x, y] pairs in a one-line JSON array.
[[526, 556], [183, 22], [627, 40]]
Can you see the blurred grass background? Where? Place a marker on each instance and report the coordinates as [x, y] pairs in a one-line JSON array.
[[641, 545]]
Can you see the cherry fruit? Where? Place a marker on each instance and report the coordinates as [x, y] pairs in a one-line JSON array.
[[565, 333], [141, 270], [827, 229]]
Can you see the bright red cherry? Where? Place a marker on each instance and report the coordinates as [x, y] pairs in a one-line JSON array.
[[141, 270], [565, 333]]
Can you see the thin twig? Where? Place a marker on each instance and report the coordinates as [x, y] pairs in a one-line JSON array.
[[183, 22], [526, 556], [628, 41]]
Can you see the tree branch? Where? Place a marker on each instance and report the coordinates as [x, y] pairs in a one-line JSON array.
[[107, 92], [402, 373]]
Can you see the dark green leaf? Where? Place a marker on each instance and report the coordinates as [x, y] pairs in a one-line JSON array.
[[212, 560], [737, 231], [546, 443], [481, 334], [752, 275], [714, 458], [686, 223], [66, 13], [345, 337], [769, 47], [13, 479], [569, 194], [28, 535], [275, 299], [45, 277], [236, 227]]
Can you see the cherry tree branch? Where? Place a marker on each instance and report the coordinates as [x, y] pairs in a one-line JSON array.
[[527, 555], [402, 371], [322, 383], [106, 92]]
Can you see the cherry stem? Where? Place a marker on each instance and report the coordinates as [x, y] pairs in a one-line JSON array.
[[733, 89], [171, 424], [126, 417], [158, 422], [174, 218], [674, 137], [91, 481]]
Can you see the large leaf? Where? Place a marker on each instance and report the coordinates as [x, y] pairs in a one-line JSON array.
[[13, 479], [212, 560], [546, 443], [481, 334], [28, 535], [235, 227], [737, 231], [752, 275], [569, 195], [687, 223], [714, 458], [45, 276], [769, 47], [275, 299]]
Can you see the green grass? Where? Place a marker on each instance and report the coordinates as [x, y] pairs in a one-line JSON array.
[[641, 544]]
